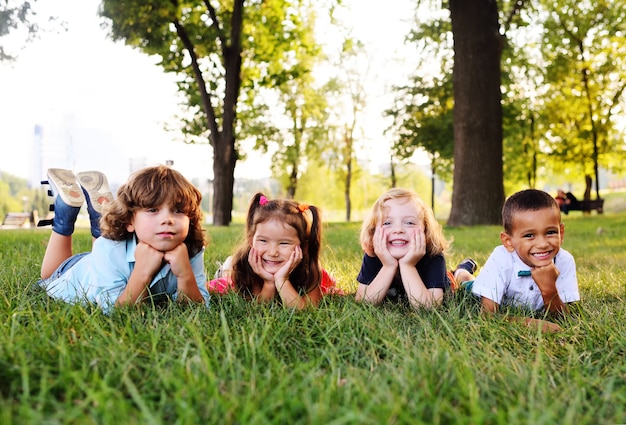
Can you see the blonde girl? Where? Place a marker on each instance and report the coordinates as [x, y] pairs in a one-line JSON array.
[[404, 249]]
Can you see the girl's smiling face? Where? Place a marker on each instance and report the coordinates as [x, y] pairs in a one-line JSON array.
[[536, 237], [400, 221], [274, 241]]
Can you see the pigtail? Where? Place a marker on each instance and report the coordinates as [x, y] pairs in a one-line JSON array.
[[255, 203]]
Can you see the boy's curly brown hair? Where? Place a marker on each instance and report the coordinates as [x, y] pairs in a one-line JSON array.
[[148, 188]]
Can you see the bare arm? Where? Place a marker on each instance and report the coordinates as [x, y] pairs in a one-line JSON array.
[[187, 287], [376, 291], [490, 307], [417, 292], [147, 262], [545, 278]]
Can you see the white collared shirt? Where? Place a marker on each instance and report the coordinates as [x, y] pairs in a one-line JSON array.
[[499, 281]]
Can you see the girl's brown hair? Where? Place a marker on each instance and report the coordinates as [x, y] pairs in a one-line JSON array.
[[148, 188], [305, 219], [436, 242]]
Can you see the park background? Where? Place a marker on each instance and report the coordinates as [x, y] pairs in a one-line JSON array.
[[73, 98]]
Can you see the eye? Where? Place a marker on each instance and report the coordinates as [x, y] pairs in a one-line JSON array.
[[553, 232], [386, 223], [410, 223], [151, 210], [528, 236]]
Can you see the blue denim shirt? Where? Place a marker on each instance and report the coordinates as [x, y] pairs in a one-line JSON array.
[[101, 275]]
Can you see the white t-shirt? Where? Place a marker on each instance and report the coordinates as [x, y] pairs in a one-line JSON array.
[[500, 282]]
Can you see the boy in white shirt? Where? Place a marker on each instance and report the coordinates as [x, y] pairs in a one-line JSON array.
[[529, 269]]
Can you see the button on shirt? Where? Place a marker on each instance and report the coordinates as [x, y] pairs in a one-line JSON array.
[[101, 276], [500, 281]]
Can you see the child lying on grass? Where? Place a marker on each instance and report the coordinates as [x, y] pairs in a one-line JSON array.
[[530, 269]]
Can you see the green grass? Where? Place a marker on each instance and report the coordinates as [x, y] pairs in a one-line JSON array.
[[344, 363]]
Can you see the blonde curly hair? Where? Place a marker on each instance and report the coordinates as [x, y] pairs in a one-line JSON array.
[[436, 242]]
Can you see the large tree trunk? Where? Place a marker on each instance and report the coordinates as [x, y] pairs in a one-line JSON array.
[[478, 188], [224, 161], [224, 152]]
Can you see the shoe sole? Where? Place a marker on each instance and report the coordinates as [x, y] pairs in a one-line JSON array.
[[65, 185], [97, 187]]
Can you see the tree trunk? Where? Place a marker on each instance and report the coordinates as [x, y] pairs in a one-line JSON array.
[[224, 161], [224, 152], [478, 192]]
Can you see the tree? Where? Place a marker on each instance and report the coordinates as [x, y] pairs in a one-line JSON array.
[[478, 179], [16, 16], [348, 89], [583, 45], [217, 48]]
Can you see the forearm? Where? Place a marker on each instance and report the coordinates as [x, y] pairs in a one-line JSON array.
[[417, 292], [554, 304], [135, 289], [376, 291], [188, 289]]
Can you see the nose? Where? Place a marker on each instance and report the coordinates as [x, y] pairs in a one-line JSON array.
[[167, 216], [397, 228], [272, 249]]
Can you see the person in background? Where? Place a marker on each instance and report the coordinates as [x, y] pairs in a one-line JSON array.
[[530, 269], [566, 201], [148, 244]]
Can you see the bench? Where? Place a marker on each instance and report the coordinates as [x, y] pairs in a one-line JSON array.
[[15, 220], [588, 205]]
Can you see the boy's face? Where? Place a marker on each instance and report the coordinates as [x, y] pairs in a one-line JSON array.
[[536, 236], [162, 227]]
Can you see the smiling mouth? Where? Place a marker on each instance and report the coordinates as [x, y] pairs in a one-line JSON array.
[[397, 243], [272, 262]]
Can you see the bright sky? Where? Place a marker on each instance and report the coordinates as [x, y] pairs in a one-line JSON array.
[[112, 102]]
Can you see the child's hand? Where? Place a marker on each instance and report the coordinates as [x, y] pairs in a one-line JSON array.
[[380, 248], [292, 262], [256, 262], [147, 259], [178, 259], [545, 277], [417, 248]]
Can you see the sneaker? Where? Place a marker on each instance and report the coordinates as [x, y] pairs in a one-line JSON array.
[[64, 184], [68, 198], [467, 264], [96, 189]]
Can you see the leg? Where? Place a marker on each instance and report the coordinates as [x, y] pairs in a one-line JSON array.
[[464, 272], [67, 202], [58, 250], [98, 195]]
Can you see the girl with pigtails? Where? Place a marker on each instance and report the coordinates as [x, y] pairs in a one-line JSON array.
[[280, 256]]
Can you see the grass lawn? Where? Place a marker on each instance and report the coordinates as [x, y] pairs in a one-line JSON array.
[[344, 363]]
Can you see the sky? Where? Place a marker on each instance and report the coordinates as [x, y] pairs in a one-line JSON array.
[[113, 102]]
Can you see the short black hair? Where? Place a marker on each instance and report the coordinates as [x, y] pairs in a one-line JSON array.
[[526, 200]]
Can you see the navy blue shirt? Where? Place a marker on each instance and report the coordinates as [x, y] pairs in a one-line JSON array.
[[432, 270]]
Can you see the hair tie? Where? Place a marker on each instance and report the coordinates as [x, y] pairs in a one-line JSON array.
[[303, 207], [263, 200]]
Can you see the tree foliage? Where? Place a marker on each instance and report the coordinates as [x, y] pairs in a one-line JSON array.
[[224, 52]]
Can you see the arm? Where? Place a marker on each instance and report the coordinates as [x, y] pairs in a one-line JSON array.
[[180, 264], [545, 277], [147, 262], [490, 307], [417, 292], [375, 292]]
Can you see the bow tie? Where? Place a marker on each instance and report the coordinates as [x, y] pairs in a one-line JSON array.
[[523, 273]]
